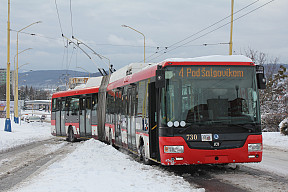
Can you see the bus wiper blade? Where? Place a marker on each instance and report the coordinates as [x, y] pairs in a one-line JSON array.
[[189, 127]]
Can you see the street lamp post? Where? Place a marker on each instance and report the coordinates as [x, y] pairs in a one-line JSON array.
[[8, 121], [140, 33], [16, 114], [16, 118]]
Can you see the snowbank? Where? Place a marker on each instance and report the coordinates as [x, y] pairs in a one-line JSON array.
[[275, 139], [23, 134], [95, 166], [283, 126]]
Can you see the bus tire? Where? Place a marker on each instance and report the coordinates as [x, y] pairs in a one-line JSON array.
[[71, 136], [143, 156], [110, 138]]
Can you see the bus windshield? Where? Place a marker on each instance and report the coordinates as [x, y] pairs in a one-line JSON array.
[[210, 95]]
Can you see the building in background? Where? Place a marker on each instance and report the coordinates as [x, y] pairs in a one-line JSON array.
[[3, 77], [77, 81], [3, 84]]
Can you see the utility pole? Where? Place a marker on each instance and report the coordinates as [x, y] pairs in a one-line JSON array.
[[137, 32], [231, 28], [8, 121]]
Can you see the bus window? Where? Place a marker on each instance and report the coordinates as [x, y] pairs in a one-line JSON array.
[[124, 108], [74, 106], [68, 104], [94, 108], [58, 104], [63, 105], [141, 98], [134, 101], [88, 103], [54, 104], [118, 102], [110, 109]]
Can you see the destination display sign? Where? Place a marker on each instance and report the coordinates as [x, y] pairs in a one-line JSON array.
[[210, 72]]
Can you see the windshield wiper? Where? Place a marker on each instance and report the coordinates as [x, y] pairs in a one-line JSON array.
[[189, 127]]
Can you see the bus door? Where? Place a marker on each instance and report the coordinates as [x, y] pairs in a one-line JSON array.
[[123, 121], [63, 117], [88, 112], [82, 115], [58, 116], [133, 116], [94, 114], [153, 127], [129, 118], [118, 102]]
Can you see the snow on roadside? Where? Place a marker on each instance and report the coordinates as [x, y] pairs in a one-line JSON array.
[[88, 168], [95, 166], [275, 154], [276, 140], [23, 134]]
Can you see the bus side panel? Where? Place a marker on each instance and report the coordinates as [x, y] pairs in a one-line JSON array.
[[53, 123], [197, 156], [95, 131]]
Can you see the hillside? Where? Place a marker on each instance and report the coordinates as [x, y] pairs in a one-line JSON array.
[[50, 78]]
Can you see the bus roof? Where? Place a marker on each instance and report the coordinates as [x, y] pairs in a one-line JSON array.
[[210, 60], [76, 92], [138, 71], [213, 58]]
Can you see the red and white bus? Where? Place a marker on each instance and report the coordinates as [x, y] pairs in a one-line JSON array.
[[181, 111]]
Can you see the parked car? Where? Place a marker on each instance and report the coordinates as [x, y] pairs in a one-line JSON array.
[[43, 117], [33, 119]]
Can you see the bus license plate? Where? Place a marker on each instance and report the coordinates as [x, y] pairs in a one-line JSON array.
[[206, 137]]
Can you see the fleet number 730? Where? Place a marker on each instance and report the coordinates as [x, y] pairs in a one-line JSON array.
[[191, 137]]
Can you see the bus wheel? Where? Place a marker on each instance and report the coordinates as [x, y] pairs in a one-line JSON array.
[[71, 137], [143, 156], [110, 138]]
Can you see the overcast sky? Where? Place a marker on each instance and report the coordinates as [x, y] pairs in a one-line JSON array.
[[163, 22]]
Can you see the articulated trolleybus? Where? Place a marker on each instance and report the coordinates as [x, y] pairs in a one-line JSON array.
[[181, 111]]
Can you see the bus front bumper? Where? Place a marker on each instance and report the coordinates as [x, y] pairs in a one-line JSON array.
[[211, 156]]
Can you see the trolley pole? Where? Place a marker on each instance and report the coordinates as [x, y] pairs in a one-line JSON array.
[[231, 28], [8, 121]]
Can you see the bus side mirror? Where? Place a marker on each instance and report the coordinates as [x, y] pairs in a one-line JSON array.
[[160, 78], [261, 80]]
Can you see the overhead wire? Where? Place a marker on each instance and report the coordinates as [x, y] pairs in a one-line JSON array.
[[214, 24], [65, 50], [166, 48], [194, 34], [58, 17], [213, 29], [71, 19]]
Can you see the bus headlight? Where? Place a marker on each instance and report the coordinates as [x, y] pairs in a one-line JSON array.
[[254, 147], [174, 149]]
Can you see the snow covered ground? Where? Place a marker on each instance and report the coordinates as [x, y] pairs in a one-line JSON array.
[[275, 140], [275, 154], [23, 134], [95, 166], [89, 166]]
